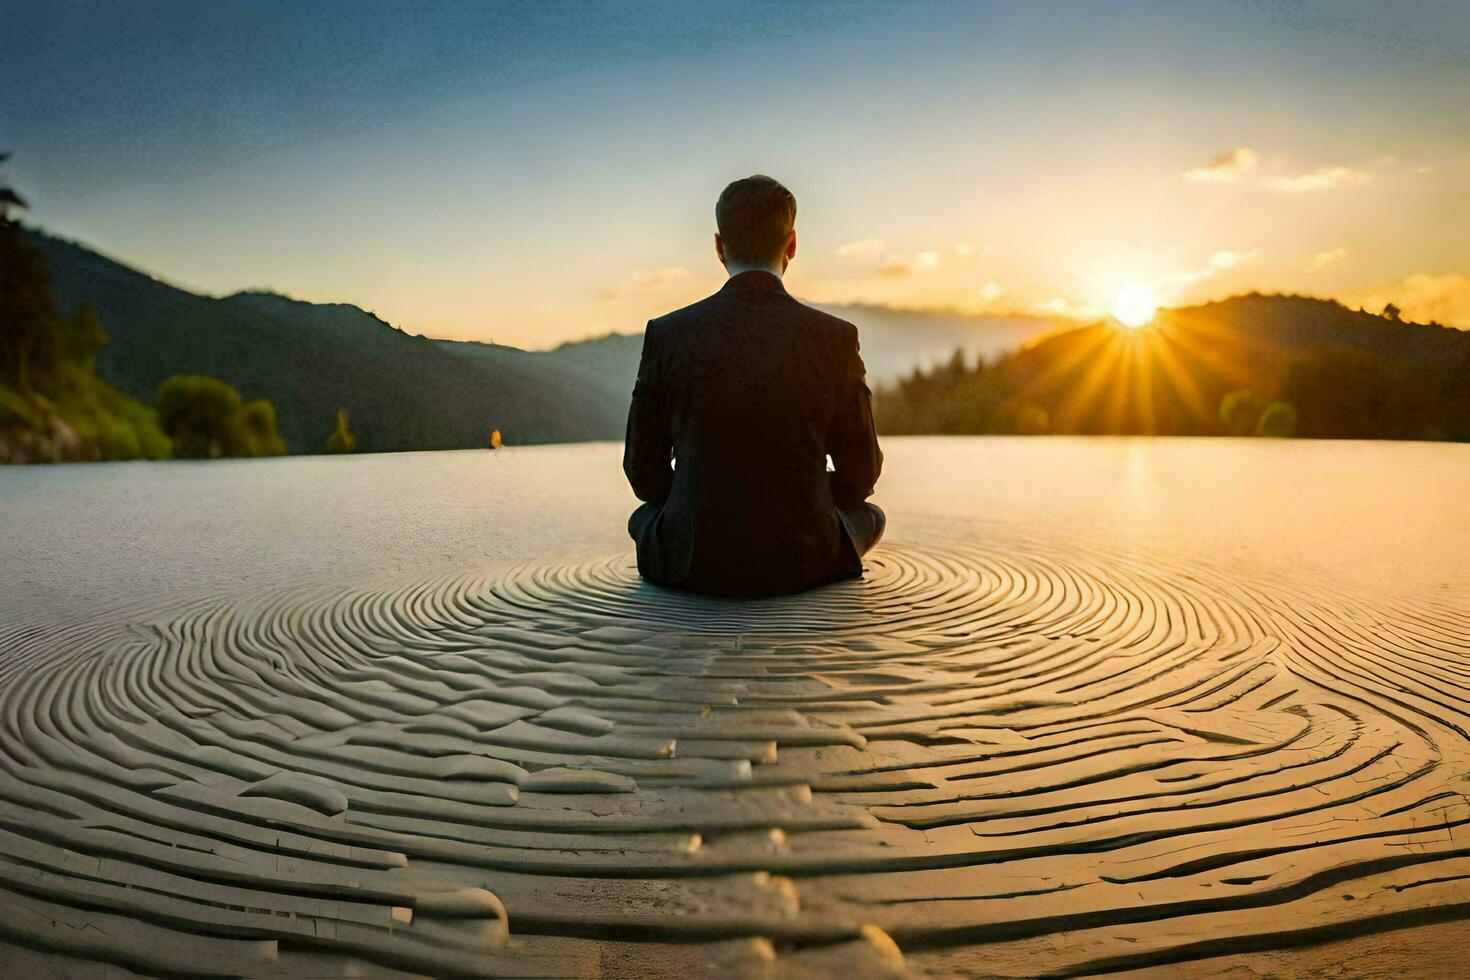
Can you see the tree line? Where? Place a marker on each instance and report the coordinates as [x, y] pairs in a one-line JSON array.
[[1206, 373], [54, 407]]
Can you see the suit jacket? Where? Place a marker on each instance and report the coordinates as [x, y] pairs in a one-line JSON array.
[[748, 391]]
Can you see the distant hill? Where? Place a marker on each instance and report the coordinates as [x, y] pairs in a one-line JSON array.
[[1334, 372], [405, 391], [1269, 323], [402, 391], [896, 341], [1390, 379]]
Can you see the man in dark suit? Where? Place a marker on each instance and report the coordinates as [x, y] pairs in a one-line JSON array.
[[748, 392]]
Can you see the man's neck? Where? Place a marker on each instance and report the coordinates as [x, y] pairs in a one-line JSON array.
[[734, 269]]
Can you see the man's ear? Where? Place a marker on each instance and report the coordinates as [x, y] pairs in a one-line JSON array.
[[719, 249], [791, 246]]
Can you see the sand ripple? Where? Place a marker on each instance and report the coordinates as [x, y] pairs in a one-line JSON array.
[[997, 753]]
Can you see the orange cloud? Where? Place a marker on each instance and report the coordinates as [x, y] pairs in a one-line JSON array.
[[1057, 306], [894, 267], [898, 266], [1226, 168], [1322, 260], [1219, 262], [864, 248], [1425, 298], [1321, 179], [969, 250], [1227, 259]]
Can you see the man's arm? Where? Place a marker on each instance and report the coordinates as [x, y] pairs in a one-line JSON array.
[[649, 444], [852, 441]]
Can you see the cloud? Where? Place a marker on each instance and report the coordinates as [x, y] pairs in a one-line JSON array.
[[1424, 298], [1228, 168], [1224, 169], [646, 279], [643, 278], [864, 248], [1321, 179], [1226, 259], [894, 267], [1322, 260], [1056, 306], [968, 250], [1219, 262], [897, 266]]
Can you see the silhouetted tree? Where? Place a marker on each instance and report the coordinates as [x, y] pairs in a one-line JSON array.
[[198, 413], [8, 197], [85, 336], [1240, 411], [1252, 365], [206, 419], [341, 440], [51, 399], [255, 431], [31, 328], [957, 367], [1032, 420], [1277, 421]]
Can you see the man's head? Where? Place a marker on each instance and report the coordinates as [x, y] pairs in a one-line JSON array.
[[756, 218]]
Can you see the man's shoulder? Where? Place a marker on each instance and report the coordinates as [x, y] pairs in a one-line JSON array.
[[828, 332], [835, 326], [674, 319], [792, 310]]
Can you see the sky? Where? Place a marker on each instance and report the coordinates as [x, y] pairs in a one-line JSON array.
[[536, 173]]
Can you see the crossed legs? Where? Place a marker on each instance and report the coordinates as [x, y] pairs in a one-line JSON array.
[[864, 523]]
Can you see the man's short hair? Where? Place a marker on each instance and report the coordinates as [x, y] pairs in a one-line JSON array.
[[755, 215]]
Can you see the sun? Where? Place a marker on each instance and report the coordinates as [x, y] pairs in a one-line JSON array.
[[1134, 305]]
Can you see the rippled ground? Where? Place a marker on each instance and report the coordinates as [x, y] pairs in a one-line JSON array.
[[1096, 706]]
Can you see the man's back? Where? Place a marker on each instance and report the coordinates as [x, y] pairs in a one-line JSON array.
[[750, 391]]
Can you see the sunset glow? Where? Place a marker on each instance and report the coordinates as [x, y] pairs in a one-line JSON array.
[[523, 207], [1134, 305]]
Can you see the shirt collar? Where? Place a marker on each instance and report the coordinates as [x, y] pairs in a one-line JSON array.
[[755, 279]]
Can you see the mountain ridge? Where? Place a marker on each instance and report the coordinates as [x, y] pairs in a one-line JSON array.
[[1254, 363], [405, 391], [402, 391]]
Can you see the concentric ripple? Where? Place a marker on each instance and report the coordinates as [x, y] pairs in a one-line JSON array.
[[996, 753]]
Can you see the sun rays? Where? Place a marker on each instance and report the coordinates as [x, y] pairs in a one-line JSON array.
[[1149, 378]]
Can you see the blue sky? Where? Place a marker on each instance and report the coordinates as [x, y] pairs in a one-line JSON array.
[[533, 173]]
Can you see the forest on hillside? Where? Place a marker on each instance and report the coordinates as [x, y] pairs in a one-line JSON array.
[[403, 391], [1251, 365], [101, 361], [54, 407]]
